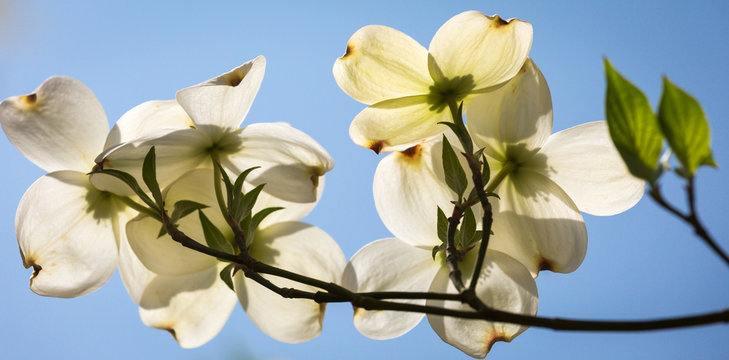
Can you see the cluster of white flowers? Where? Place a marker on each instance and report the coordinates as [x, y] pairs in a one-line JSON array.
[[75, 228], [543, 181]]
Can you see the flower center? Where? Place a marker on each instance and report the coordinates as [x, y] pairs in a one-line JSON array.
[[447, 91]]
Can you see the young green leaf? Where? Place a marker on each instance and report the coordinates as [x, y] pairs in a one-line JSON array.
[[132, 183], [184, 208], [238, 187], [246, 202], [632, 124], [149, 175], [213, 237], [249, 224], [683, 123], [227, 276], [226, 182], [454, 175], [467, 230], [442, 226]]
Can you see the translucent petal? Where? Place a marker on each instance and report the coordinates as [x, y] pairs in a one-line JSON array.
[[291, 162], [162, 255], [536, 223], [193, 308], [504, 284], [389, 265], [67, 232], [382, 63], [408, 189], [296, 247], [60, 126], [223, 102], [133, 273], [514, 121], [177, 151], [397, 124], [148, 117], [584, 162], [487, 49], [165, 256]]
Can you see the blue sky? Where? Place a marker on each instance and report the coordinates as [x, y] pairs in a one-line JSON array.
[[639, 264]]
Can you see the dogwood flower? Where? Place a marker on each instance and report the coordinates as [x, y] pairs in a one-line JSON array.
[[406, 263], [203, 123], [187, 296], [409, 88], [67, 229], [543, 181]]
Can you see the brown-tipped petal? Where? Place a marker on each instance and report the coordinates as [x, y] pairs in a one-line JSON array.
[[382, 63]]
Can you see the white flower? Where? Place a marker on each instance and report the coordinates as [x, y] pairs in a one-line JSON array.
[[409, 88], [203, 123], [188, 298], [543, 181], [67, 229], [401, 264]]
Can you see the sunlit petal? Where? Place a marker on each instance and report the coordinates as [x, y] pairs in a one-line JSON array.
[[193, 308], [66, 232], [296, 247], [585, 163], [60, 126], [504, 284], [291, 162], [389, 265], [382, 63], [398, 124], [514, 121], [147, 117], [223, 102], [538, 224], [487, 49]]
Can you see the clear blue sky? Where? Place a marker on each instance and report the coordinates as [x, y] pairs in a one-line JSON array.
[[639, 264]]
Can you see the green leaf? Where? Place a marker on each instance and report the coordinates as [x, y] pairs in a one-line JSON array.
[[132, 183], [238, 187], [245, 204], [226, 182], [149, 175], [442, 226], [455, 177], [249, 224], [184, 208], [684, 124], [213, 237], [633, 126], [467, 230], [227, 276]]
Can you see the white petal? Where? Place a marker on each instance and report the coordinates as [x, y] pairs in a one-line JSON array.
[[584, 162], [504, 284], [60, 126], [296, 247], [147, 117], [397, 124], [134, 274], [223, 102], [514, 121], [487, 49], [193, 308], [389, 265], [165, 256], [291, 211], [162, 255], [382, 63], [177, 151], [67, 232], [291, 162], [408, 191], [536, 223]]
